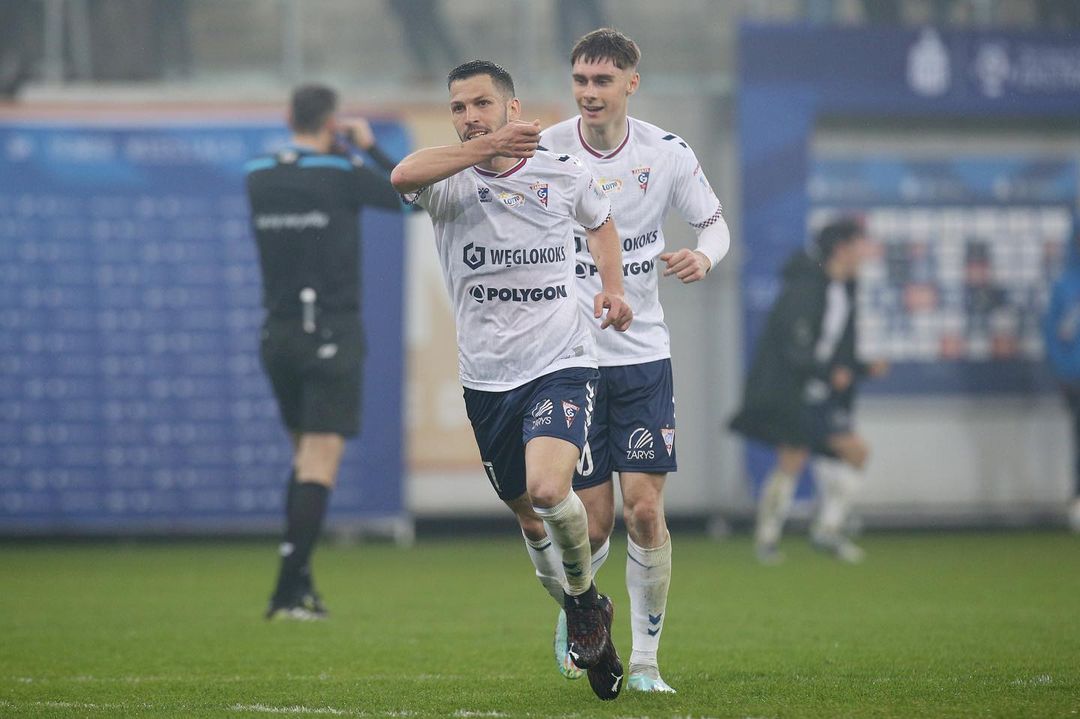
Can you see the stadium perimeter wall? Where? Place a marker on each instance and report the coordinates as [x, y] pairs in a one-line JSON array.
[[937, 459]]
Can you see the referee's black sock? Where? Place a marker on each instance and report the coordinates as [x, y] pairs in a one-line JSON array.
[[304, 582], [303, 526], [290, 490]]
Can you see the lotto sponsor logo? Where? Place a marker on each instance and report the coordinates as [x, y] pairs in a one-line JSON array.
[[636, 243], [630, 269], [610, 184], [511, 199], [517, 294], [640, 445], [570, 411]]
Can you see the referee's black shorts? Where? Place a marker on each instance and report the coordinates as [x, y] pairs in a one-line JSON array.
[[316, 377]]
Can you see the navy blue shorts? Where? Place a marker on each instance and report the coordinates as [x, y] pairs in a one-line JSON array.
[[825, 420], [559, 404], [317, 377], [633, 427]]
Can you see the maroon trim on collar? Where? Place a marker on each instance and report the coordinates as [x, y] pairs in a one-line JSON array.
[[597, 153], [506, 173]]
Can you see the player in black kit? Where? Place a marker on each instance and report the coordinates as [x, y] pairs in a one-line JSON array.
[[304, 205]]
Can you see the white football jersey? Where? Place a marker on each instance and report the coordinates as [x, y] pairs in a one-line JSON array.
[[506, 245], [651, 171]]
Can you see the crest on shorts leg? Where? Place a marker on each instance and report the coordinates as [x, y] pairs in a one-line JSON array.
[[570, 411], [668, 433]]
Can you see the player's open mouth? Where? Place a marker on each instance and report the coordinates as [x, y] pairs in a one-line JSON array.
[[475, 133]]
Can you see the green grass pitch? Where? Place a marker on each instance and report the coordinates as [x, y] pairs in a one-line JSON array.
[[932, 625]]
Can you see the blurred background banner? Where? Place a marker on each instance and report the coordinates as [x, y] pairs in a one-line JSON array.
[[960, 149], [131, 306], [964, 250]]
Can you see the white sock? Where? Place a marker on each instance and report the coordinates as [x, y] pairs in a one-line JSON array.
[[546, 558], [773, 507], [648, 575], [568, 525], [600, 556], [837, 482]]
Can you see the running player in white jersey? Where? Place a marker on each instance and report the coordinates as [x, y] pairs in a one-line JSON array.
[[645, 171], [505, 216]]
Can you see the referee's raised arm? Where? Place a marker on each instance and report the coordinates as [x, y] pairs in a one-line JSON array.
[[371, 187]]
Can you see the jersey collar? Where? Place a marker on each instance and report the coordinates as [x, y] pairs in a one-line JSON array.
[[498, 175], [599, 154]]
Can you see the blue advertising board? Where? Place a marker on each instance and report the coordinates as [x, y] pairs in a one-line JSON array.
[[131, 393], [791, 78]]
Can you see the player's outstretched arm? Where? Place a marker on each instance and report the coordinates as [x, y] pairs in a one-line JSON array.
[[426, 167], [606, 251]]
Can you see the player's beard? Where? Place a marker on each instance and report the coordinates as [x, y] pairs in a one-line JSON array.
[[490, 130]]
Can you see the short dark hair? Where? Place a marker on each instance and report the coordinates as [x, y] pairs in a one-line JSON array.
[[838, 232], [311, 106], [607, 44], [494, 70]]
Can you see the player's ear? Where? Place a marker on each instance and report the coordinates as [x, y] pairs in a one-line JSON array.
[[513, 109], [632, 86]]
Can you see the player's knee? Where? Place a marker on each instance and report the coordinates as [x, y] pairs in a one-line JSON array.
[[791, 460], [644, 522], [547, 493], [858, 455], [598, 535]]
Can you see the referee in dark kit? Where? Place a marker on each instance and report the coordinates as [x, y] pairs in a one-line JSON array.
[[305, 201]]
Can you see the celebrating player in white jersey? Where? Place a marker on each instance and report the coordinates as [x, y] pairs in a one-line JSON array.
[[505, 216], [645, 171]]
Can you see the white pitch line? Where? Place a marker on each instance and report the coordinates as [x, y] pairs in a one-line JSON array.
[[56, 704], [266, 709], [136, 679]]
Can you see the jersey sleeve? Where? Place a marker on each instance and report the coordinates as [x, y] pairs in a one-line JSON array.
[[694, 196], [432, 198], [591, 207]]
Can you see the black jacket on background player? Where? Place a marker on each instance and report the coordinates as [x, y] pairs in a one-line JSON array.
[[304, 210], [775, 408]]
